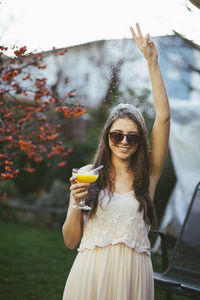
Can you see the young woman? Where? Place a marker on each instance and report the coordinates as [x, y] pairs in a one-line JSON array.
[[114, 262]]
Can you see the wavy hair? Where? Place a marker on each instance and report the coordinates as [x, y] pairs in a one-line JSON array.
[[139, 164]]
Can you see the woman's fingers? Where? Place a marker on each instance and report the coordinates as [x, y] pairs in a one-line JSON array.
[[79, 190], [150, 43], [145, 42], [76, 185], [134, 34], [140, 40], [139, 31], [79, 196], [73, 179], [139, 37]]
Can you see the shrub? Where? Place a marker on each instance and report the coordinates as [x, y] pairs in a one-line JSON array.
[[29, 199], [56, 197], [82, 154], [9, 187]]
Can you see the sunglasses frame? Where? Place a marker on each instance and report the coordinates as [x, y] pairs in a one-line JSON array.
[[127, 135]]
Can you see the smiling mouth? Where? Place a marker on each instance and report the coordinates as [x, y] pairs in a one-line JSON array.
[[124, 148]]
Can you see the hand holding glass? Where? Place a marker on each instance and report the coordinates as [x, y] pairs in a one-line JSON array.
[[84, 176]]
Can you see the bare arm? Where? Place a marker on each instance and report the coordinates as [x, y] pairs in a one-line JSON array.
[[161, 127], [72, 229], [160, 132]]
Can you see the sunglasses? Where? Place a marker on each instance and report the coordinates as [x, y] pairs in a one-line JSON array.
[[131, 138]]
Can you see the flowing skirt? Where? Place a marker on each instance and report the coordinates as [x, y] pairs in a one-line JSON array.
[[114, 272]]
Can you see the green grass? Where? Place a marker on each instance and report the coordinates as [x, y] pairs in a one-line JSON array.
[[34, 263]]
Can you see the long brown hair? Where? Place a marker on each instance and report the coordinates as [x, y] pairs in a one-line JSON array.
[[139, 164]]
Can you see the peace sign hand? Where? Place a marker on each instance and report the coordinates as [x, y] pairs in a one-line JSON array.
[[145, 44]]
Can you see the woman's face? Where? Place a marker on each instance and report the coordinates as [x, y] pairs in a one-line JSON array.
[[123, 150]]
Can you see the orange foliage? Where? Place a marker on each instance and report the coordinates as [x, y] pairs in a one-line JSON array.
[[26, 128]]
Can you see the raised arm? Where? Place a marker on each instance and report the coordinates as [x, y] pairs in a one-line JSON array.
[[160, 132]]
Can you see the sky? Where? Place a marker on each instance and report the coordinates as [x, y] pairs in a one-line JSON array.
[[43, 24]]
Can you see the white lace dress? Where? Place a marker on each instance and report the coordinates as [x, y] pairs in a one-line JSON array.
[[113, 262]]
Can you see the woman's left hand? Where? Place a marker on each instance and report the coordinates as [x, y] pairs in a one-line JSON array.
[[145, 44]]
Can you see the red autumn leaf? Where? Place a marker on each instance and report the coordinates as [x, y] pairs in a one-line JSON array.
[[62, 52], [42, 67], [62, 164], [29, 170], [27, 76], [53, 100], [3, 196], [71, 95], [69, 150], [21, 51]]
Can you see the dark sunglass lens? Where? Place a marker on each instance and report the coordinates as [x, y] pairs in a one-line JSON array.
[[116, 137], [133, 139]]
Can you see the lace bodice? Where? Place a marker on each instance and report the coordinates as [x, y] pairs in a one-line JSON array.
[[117, 221]]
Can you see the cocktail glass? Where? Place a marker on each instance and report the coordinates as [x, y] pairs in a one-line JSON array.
[[86, 177]]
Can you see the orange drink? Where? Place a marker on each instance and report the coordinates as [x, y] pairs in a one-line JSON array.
[[87, 178], [84, 176]]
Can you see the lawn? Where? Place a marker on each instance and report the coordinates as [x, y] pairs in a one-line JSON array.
[[34, 263]]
